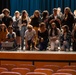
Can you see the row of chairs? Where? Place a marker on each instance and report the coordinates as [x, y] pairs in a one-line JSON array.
[[45, 70], [39, 71]]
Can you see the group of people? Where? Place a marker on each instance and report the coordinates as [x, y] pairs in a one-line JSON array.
[[39, 31]]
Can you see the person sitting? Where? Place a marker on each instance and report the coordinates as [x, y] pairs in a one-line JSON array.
[[54, 35], [30, 35], [11, 36], [65, 38], [43, 36], [3, 33]]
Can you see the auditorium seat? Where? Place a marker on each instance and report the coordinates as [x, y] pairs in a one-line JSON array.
[[23, 71], [53, 67], [31, 67], [35, 73], [10, 73], [71, 71], [2, 69], [47, 71], [61, 74], [69, 67], [8, 66]]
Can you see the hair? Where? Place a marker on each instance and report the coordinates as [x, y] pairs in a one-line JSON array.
[[66, 27], [56, 30], [67, 8], [24, 12], [29, 26], [42, 24], [16, 12], [37, 12], [54, 9], [6, 10], [4, 27], [74, 12], [10, 27], [45, 13]]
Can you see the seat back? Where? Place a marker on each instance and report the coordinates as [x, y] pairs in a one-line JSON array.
[[31, 67], [47, 71], [8, 66], [53, 67], [69, 67], [61, 74], [71, 71], [35, 73], [10, 73], [23, 71], [2, 69]]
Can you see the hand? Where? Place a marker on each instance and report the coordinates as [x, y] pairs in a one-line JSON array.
[[42, 39]]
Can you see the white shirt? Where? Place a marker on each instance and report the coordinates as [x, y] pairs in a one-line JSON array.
[[30, 35]]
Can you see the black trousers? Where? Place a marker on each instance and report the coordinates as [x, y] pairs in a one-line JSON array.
[[30, 44]]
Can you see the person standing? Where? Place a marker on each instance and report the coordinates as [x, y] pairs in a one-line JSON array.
[[7, 19], [68, 18]]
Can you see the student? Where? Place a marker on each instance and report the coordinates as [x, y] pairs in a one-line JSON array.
[[30, 35], [7, 19], [65, 38], [35, 21], [43, 36], [44, 18], [11, 36], [68, 18], [16, 28], [54, 35], [24, 21], [3, 33], [55, 18]]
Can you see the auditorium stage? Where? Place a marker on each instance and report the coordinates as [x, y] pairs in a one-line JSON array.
[[38, 58]]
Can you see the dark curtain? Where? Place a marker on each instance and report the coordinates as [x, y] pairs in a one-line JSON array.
[[4, 4], [32, 5]]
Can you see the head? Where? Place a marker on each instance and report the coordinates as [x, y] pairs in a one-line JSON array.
[[58, 10], [53, 25], [29, 27], [67, 10], [55, 11], [6, 12], [45, 13], [24, 14], [10, 29], [75, 12], [17, 14], [3, 27], [36, 13], [42, 26], [65, 28]]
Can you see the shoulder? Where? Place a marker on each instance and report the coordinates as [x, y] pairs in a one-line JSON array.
[[33, 30]]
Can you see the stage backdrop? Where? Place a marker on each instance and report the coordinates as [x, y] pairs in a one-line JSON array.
[[31, 5], [4, 4]]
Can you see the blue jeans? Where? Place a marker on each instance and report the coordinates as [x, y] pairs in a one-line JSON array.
[[23, 29], [66, 45], [43, 45]]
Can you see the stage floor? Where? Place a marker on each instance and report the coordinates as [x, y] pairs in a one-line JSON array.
[[39, 52]]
